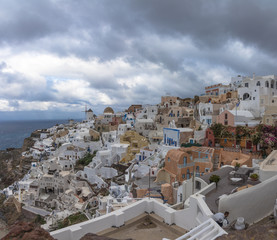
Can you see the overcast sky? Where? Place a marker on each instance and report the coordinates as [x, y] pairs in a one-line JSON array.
[[59, 55]]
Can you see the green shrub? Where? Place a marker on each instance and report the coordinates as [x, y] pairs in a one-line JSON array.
[[214, 178], [254, 176]]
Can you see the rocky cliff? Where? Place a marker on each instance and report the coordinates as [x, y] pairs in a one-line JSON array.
[[13, 165]]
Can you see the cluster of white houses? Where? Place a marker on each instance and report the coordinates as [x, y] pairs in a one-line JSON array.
[[140, 146]]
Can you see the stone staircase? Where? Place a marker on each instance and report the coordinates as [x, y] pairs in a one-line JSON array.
[[208, 230]]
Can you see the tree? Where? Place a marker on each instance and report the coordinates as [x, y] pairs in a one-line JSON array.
[[214, 178], [217, 129]]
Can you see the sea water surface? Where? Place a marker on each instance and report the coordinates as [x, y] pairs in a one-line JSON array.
[[13, 133]]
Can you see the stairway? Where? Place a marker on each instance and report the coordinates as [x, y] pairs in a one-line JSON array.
[[208, 230]]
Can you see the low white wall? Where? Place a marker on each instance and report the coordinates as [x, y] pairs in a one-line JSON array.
[[191, 217], [116, 218], [254, 203], [207, 189], [265, 174], [195, 214]]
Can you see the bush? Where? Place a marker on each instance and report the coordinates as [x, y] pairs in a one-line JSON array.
[[39, 220], [254, 176], [214, 178], [186, 145], [71, 220]]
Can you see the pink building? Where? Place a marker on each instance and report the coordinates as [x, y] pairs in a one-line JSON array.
[[236, 118]]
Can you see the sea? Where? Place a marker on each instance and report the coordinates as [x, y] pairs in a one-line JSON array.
[[13, 133]]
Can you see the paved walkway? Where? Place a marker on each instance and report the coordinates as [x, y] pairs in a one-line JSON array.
[[36, 210]]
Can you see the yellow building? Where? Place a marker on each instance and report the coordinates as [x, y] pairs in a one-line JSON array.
[[135, 141]]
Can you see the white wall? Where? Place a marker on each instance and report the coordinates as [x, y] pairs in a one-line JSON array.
[[173, 134], [197, 213], [254, 203]]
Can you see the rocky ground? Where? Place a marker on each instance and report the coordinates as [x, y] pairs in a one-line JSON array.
[[13, 165], [13, 168], [266, 229], [27, 231]]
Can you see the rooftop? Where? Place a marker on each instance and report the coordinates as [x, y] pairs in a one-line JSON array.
[[224, 186], [244, 113], [144, 227]]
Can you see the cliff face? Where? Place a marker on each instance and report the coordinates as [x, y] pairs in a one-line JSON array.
[[28, 142], [10, 167], [13, 165]]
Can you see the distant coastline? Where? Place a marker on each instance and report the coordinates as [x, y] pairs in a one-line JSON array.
[[13, 133]]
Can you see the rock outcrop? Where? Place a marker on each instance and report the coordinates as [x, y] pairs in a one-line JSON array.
[[27, 231]]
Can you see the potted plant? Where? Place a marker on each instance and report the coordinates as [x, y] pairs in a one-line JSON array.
[[214, 178], [254, 176], [237, 166]]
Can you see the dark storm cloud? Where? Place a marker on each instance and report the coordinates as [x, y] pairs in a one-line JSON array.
[[31, 19], [189, 43]]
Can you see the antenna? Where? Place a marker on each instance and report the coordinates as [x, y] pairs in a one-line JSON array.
[[85, 111]]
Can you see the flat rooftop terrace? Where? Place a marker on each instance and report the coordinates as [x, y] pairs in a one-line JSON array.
[[224, 186], [144, 227]]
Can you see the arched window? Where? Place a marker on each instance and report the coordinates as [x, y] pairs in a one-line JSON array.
[[185, 161], [245, 96], [258, 83], [266, 84], [272, 84]]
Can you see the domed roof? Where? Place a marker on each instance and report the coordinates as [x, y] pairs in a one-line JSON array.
[[90, 110], [108, 110]]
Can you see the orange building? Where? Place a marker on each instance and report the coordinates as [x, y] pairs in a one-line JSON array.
[[181, 164]]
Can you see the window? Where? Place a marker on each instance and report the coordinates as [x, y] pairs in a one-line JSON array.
[[253, 98], [266, 84], [168, 159], [246, 84], [185, 161], [183, 176], [188, 174], [226, 116], [258, 83], [198, 185]]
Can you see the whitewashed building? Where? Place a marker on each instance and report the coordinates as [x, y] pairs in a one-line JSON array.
[[256, 93]]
